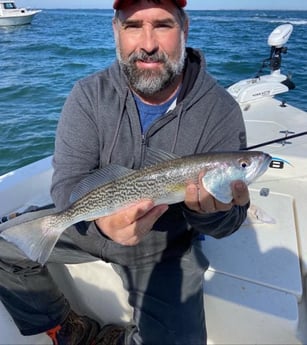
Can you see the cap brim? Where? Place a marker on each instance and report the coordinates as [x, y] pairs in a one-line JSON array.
[[117, 3]]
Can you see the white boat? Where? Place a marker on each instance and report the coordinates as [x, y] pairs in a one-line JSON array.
[[10, 15], [255, 288]]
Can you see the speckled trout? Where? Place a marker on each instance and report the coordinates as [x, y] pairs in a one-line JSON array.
[[113, 188]]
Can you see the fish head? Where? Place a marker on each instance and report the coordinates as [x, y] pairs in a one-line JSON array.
[[245, 166], [251, 165]]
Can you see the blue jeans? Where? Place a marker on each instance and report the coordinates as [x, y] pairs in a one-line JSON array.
[[166, 294]]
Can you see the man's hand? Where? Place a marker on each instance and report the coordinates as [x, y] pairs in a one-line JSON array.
[[198, 199], [130, 225]]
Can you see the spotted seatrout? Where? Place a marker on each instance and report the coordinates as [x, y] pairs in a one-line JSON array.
[[36, 233]]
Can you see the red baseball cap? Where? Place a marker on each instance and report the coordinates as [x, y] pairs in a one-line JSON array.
[[118, 3]]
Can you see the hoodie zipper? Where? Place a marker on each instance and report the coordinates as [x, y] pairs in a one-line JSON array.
[[143, 148]]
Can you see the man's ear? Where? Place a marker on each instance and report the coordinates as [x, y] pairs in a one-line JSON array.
[[115, 29], [186, 29]]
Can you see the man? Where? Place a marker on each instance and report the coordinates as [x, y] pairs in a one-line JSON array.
[[155, 97]]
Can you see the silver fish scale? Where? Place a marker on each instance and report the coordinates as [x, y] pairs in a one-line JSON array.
[[155, 182]]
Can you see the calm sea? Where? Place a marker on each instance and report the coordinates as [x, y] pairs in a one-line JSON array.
[[41, 62]]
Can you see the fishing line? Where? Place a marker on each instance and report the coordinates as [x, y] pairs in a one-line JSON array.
[[277, 140]]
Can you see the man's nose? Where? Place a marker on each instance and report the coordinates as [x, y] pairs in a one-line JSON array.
[[149, 42]]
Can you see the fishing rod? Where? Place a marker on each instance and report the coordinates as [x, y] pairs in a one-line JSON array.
[[277, 140], [277, 163]]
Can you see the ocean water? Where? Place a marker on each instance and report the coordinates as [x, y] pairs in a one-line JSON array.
[[41, 62]]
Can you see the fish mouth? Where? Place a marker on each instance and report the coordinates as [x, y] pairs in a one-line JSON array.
[[267, 159], [261, 168]]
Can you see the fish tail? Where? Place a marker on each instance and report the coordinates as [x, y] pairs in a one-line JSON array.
[[35, 237]]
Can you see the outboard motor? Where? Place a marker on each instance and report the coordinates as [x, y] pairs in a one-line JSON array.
[[277, 40], [261, 86]]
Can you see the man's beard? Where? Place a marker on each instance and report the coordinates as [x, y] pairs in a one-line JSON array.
[[148, 82]]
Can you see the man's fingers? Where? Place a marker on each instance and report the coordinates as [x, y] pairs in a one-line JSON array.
[[240, 193], [191, 197], [198, 199], [143, 226], [127, 216], [129, 226]]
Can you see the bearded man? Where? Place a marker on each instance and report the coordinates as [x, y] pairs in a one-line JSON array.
[[157, 96]]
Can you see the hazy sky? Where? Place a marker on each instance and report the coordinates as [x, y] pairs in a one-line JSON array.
[[192, 4]]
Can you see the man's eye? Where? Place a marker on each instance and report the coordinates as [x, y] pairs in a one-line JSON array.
[[131, 26], [164, 26]]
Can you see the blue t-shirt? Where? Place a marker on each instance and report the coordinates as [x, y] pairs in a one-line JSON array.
[[149, 113]]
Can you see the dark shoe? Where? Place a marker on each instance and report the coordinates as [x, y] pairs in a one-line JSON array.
[[75, 330], [111, 335]]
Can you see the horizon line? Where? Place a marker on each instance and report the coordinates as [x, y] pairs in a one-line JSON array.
[[188, 9]]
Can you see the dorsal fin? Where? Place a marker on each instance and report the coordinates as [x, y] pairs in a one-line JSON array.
[[155, 156], [98, 178]]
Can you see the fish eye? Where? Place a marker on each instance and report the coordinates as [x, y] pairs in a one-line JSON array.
[[244, 163]]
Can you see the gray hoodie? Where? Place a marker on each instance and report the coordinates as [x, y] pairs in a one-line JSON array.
[[100, 125]]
